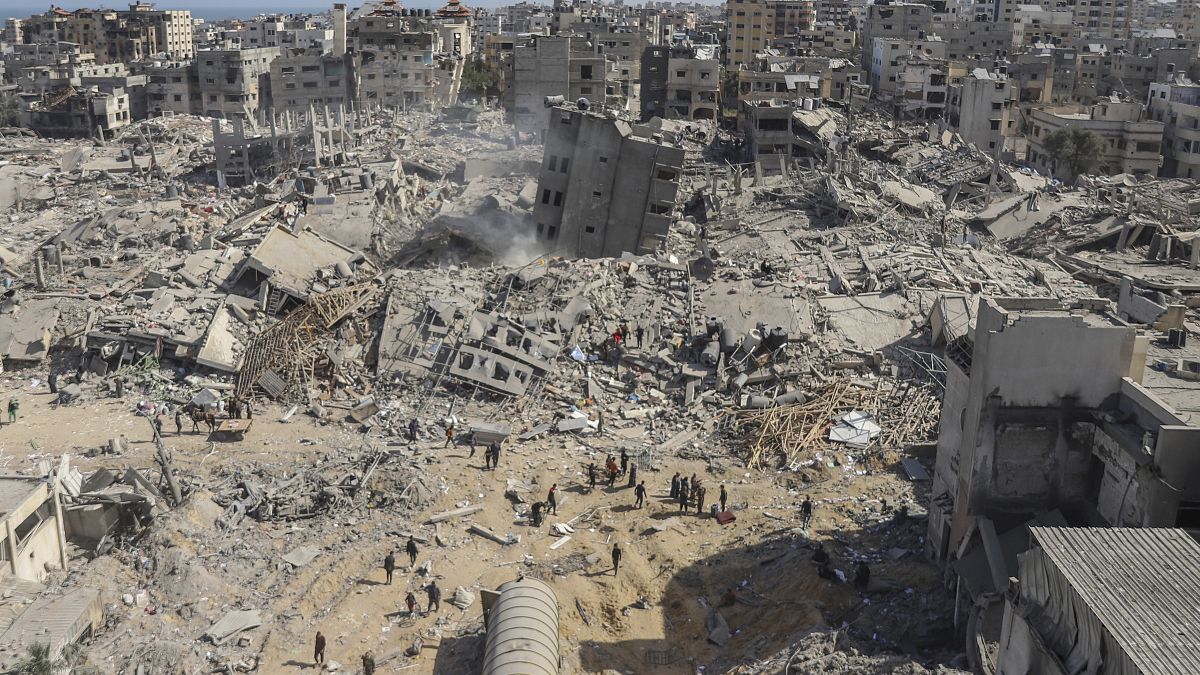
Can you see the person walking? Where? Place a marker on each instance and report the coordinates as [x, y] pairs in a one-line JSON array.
[[449, 436], [411, 601], [632, 476], [612, 471], [624, 461], [249, 409], [435, 597], [413, 428], [487, 457], [13, 406], [700, 500], [806, 509], [368, 661], [535, 517], [639, 333], [319, 649], [683, 497], [616, 558], [675, 486], [592, 475], [411, 549], [158, 426], [495, 455], [552, 499], [640, 493], [178, 422], [724, 496], [389, 565]]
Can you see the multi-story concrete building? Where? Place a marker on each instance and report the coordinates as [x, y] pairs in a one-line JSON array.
[[1035, 24], [553, 66], [14, 31], [982, 109], [822, 40], [257, 33], [407, 58], [235, 82], [749, 31], [606, 187], [694, 82], [172, 87], [774, 76], [891, 56], [1101, 18], [1177, 105], [834, 12], [304, 79], [69, 113], [1131, 142], [900, 20], [118, 35], [788, 17]]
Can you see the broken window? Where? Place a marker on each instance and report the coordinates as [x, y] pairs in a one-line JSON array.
[[665, 174], [660, 209], [546, 196], [585, 72], [557, 198]]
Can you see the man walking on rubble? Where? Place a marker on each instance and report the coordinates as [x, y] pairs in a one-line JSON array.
[[675, 486], [640, 332], [449, 436], [640, 493], [700, 500], [411, 549], [435, 597], [806, 508], [724, 495], [624, 461], [683, 497], [411, 601], [368, 661], [616, 558], [413, 428], [178, 422], [13, 406], [389, 565], [495, 455], [319, 649], [552, 499], [592, 475]]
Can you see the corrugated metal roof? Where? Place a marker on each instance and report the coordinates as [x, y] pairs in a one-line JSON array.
[[1143, 584]]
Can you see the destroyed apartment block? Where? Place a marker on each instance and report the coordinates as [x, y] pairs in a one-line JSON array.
[[1079, 433]]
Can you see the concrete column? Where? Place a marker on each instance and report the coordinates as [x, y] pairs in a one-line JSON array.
[[339, 29]]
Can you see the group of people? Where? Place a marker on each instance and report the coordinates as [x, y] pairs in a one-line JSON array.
[[688, 492], [612, 471], [620, 336], [862, 572]]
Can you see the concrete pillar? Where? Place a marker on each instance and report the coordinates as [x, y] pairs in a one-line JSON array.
[[39, 270], [339, 29]]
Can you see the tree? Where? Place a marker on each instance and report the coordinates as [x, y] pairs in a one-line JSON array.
[[479, 80], [38, 662], [1075, 148]]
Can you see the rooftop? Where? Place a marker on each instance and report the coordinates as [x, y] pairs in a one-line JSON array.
[[14, 490], [1141, 583]]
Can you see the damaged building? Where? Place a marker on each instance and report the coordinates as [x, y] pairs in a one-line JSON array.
[[605, 186]]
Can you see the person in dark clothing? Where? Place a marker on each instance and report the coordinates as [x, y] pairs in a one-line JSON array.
[[389, 565], [862, 576], [495, 456], [624, 461], [724, 496], [640, 493], [237, 409], [319, 649], [592, 475], [487, 457], [178, 422], [411, 549], [413, 428], [411, 601], [700, 500], [552, 499], [157, 425], [249, 410], [435, 597], [695, 483], [675, 486], [819, 556], [639, 333], [632, 476], [616, 557], [825, 571], [449, 436], [53, 382], [368, 661], [806, 508], [683, 497], [535, 517]]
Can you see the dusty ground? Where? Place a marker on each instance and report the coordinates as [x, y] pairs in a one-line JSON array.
[[680, 572]]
